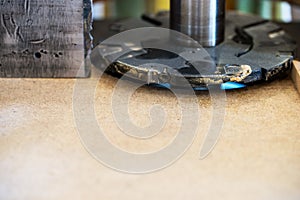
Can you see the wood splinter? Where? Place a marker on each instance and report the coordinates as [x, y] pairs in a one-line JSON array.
[[296, 74]]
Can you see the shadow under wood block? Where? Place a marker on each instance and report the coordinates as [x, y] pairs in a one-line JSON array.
[[44, 38]]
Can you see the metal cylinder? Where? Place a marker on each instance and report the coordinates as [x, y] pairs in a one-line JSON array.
[[203, 20]]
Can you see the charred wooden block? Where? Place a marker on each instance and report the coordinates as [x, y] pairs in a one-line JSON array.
[[44, 38]]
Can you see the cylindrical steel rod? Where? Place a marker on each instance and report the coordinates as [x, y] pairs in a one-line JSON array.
[[203, 20]]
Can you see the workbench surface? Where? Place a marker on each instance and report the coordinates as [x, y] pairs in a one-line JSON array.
[[41, 156]]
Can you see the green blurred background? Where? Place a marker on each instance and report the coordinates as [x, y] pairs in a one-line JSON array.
[[282, 11]]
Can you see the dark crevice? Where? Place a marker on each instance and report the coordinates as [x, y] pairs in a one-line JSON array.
[[242, 37], [38, 55]]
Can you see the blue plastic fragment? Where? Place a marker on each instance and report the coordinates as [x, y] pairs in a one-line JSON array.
[[232, 86], [224, 86], [162, 85]]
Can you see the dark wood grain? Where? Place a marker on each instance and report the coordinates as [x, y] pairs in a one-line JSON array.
[[44, 38]]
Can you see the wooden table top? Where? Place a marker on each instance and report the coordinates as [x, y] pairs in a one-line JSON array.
[[42, 157]]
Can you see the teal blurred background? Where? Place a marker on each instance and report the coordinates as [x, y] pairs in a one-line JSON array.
[[275, 10], [282, 11]]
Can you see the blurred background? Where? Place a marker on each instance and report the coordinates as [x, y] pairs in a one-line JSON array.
[[281, 11]]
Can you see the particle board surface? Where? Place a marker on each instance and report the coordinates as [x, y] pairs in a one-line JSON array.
[[42, 157]]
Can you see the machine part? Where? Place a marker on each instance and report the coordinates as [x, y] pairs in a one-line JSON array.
[[45, 39], [152, 66], [254, 50], [203, 20]]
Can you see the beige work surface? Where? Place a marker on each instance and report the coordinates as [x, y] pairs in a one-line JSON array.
[[41, 156]]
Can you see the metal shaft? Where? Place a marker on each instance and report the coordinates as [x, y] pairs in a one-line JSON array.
[[203, 20]]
